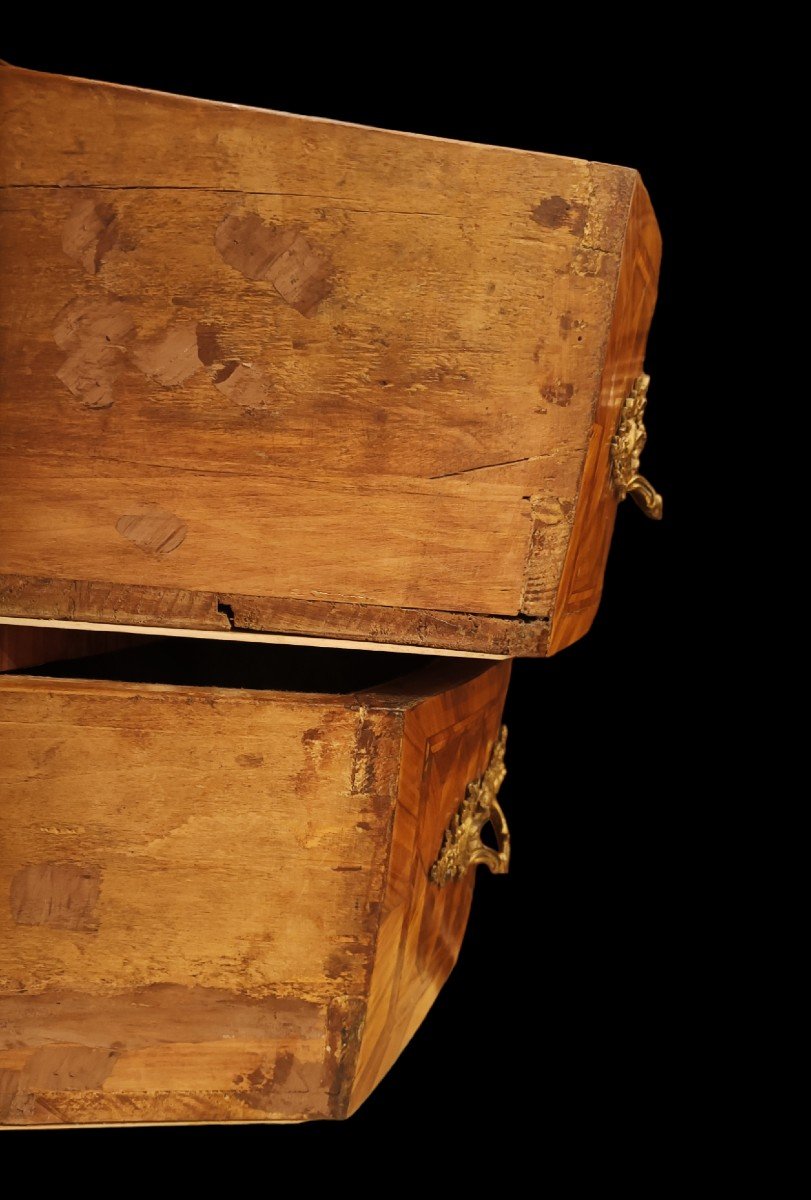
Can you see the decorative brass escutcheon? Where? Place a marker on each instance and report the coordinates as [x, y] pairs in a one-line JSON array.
[[626, 446], [462, 846]]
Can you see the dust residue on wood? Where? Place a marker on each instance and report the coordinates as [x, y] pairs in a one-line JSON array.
[[154, 531], [276, 254], [60, 895]]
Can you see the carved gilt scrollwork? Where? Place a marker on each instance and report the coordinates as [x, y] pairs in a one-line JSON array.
[[462, 846], [627, 446]]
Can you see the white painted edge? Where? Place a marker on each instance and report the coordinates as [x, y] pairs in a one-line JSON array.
[[236, 635]]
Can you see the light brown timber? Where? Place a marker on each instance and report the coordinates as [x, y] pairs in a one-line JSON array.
[[204, 909], [345, 376]]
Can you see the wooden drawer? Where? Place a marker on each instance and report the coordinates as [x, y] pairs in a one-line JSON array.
[[217, 870], [277, 374]]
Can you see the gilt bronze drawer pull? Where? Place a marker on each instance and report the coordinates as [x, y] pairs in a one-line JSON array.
[[626, 447], [462, 846]]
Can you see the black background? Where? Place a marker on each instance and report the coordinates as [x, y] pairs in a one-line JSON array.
[[565, 1031]]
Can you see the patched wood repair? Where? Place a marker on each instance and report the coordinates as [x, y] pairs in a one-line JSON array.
[[60, 895], [279, 255], [153, 531], [90, 232], [170, 357], [95, 334]]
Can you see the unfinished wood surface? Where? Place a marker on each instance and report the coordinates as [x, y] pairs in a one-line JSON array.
[[193, 861], [195, 879], [317, 366]]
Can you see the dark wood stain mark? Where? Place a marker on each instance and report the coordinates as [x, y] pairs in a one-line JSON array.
[[569, 324], [90, 232], [555, 212], [277, 254], [171, 357], [153, 531], [226, 370], [558, 393], [60, 895], [551, 213], [209, 350], [341, 869], [95, 335], [335, 965], [282, 1068], [250, 760]]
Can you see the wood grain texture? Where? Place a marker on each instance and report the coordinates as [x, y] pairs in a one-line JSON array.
[[42, 598], [447, 742], [302, 362], [84, 600], [195, 881], [582, 582]]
